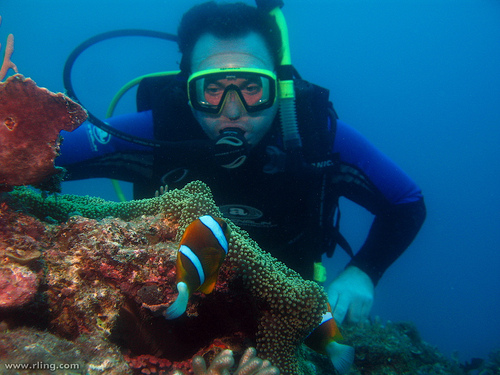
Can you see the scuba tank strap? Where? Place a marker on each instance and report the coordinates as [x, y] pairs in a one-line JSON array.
[[336, 237], [317, 130], [329, 215], [329, 212]]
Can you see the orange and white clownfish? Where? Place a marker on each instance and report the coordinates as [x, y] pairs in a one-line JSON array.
[[324, 339], [202, 250]]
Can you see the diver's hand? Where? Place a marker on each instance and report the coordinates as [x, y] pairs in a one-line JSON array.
[[351, 296], [249, 365]]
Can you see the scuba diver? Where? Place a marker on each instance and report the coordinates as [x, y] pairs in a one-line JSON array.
[[269, 145]]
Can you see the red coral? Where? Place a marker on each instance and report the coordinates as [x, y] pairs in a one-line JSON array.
[[148, 364], [30, 121], [18, 286]]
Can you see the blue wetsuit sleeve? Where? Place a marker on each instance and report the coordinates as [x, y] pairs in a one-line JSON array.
[[88, 142], [89, 152], [369, 178], [380, 171]]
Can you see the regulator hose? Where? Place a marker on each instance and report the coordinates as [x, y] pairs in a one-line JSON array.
[[68, 85]]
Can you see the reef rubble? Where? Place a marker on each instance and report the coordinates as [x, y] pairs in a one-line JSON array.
[[91, 277]]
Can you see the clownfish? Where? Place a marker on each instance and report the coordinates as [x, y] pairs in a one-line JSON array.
[[202, 249], [324, 339]]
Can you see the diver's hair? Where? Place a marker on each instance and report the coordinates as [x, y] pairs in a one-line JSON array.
[[228, 20]]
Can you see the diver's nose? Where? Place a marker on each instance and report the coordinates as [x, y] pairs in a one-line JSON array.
[[233, 107]]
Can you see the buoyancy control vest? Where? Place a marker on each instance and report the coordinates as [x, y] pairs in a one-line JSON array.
[[291, 211]]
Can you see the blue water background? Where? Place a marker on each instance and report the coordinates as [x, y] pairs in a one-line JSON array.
[[420, 78]]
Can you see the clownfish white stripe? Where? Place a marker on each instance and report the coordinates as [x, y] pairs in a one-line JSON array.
[[326, 317], [216, 230], [195, 260]]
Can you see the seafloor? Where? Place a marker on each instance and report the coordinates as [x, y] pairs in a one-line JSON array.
[[82, 281]]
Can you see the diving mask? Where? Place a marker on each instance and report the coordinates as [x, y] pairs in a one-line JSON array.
[[208, 89]]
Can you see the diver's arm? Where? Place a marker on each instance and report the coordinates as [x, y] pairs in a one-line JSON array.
[[351, 293], [88, 141], [89, 152], [392, 231], [372, 180]]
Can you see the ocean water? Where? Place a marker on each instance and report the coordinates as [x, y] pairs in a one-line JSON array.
[[420, 78]]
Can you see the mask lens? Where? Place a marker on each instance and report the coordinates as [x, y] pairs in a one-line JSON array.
[[252, 90], [208, 91]]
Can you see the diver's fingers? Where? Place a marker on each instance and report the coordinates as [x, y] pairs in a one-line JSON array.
[[340, 309], [359, 310]]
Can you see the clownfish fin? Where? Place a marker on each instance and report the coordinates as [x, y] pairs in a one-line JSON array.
[[342, 356], [209, 284], [178, 307]]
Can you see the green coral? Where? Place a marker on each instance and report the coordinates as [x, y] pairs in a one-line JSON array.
[[290, 307], [187, 202]]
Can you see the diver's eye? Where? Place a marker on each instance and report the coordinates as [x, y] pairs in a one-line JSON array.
[[213, 90], [252, 89]]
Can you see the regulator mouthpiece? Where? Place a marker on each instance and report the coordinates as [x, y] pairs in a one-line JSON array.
[[231, 148]]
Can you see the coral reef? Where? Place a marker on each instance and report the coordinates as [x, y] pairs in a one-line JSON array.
[[111, 277], [491, 366], [395, 348], [387, 348], [19, 246], [31, 119], [106, 271]]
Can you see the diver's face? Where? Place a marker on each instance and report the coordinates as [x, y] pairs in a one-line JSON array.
[[249, 51]]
